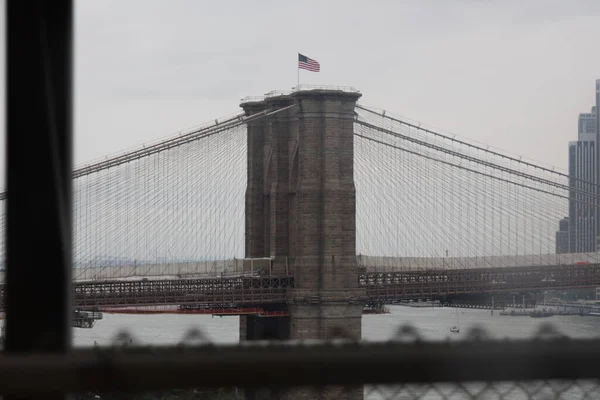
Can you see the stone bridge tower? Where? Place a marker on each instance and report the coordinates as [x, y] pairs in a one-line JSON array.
[[301, 212]]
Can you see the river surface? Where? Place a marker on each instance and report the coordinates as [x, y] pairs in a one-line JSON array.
[[432, 324]]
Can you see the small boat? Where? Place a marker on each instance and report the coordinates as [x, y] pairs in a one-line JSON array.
[[516, 312], [541, 314]]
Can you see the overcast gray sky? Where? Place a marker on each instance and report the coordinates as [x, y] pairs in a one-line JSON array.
[[512, 74]]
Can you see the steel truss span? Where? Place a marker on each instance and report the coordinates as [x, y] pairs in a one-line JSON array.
[[380, 287], [395, 286], [231, 291]]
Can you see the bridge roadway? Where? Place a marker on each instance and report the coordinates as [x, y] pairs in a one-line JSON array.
[[235, 267], [382, 287]]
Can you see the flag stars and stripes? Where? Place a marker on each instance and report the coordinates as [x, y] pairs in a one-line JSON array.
[[308, 63]]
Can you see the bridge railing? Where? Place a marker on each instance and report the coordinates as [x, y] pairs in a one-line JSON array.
[[303, 87], [161, 270], [251, 99], [393, 264], [276, 93], [171, 270]]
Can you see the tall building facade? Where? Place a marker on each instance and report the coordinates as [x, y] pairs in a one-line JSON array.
[[597, 110], [584, 170], [562, 236]]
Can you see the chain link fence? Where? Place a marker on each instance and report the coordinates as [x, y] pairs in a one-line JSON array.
[[488, 390], [519, 390], [549, 366]]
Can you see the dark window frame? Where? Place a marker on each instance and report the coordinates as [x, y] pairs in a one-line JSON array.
[[39, 165]]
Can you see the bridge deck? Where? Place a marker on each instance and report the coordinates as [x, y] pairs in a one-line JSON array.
[[379, 286], [393, 286], [207, 291]]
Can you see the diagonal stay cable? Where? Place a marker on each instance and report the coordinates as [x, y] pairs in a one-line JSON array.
[[170, 143], [462, 142], [461, 167], [475, 160]]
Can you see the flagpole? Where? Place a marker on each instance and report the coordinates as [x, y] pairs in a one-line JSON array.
[[298, 76]]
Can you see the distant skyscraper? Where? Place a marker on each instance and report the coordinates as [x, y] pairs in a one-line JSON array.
[[587, 124], [562, 236], [584, 219], [598, 123], [598, 107]]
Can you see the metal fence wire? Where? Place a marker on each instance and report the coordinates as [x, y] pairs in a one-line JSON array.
[[579, 390], [489, 390], [519, 390], [548, 366]]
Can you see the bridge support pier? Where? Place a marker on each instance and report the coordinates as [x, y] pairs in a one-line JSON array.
[[301, 212], [335, 317], [253, 327], [328, 320]]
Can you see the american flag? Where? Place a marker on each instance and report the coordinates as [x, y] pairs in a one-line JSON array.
[[308, 63]]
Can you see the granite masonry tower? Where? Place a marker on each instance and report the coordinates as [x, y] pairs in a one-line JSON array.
[[301, 212]]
